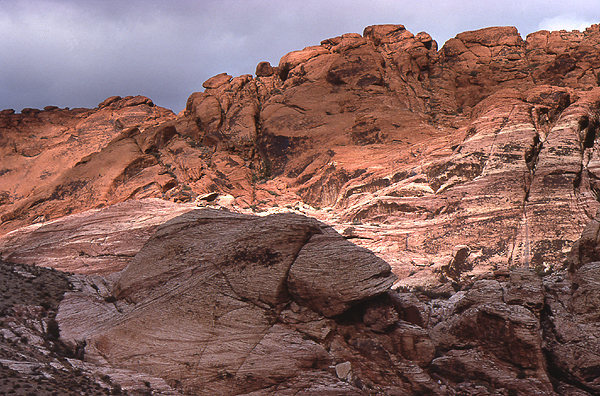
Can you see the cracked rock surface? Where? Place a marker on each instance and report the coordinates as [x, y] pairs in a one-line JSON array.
[[471, 173], [33, 359], [97, 241]]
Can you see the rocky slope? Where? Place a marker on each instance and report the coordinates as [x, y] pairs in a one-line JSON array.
[[488, 142], [33, 359], [216, 302], [96, 241]]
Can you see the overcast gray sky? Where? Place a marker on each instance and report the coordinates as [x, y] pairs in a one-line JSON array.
[[76, 53]]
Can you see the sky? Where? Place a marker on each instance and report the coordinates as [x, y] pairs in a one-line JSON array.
[[76, 53]]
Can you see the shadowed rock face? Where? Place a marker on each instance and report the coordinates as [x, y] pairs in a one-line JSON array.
[[33, 359], [489, 142]]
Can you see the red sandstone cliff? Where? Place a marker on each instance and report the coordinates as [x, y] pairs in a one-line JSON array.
[[488, 142], [449, 164]]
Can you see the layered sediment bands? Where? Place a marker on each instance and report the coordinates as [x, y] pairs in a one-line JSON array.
[[223, 303], [98, 241], [59, 161], [489, 142], [451, 165]]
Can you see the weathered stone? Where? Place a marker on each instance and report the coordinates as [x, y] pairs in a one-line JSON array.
[[488, 143], [570, 324], [342, 279], [98, 241], [245, 277], [380, 317], [413, 343], [525, 288], [343, 370], [458, 264], [585, 250], [74, 160], [466, 145], [217, 81], [108, 101], [264, 69], [215, 288], [208, 197]]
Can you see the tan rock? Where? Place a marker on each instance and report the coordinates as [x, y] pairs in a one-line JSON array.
[[238, 265], [217, 81], [335, 291], [343, 370], [489, 143]]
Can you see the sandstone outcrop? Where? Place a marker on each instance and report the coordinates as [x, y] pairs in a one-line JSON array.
[[214, 303], [33, 360], [59, 161], [488, 142], [472, 170]]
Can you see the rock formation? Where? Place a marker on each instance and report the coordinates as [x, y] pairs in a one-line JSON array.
[[33, 360], [471, 170], [97, 241], [488, 142], [216, 302]]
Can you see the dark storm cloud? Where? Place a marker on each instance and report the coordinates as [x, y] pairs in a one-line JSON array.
[[76, 53]]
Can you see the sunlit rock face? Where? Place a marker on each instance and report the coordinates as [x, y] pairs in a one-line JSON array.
[[411, 151]]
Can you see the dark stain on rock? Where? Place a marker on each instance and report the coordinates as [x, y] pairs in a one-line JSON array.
[[264, 257]]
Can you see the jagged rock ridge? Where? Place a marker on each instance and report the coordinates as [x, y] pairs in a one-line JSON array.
[[450, 164]]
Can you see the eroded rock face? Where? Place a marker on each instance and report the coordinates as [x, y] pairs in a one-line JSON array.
[[97, 241], [513, 143], [32, 357], [223, 303], [209, 303], [59, 161], [489, 142]]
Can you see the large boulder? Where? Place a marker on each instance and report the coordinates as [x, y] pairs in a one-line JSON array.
[[216, 302], [201, 303]]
